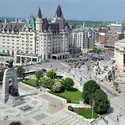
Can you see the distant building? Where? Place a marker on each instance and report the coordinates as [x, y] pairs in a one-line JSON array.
[[116, 28], [101, 37], [119, 55], [111, 38], [83, 38]]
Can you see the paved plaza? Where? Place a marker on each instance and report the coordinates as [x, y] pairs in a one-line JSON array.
[[116, 101], [51, 110], [44, 108]]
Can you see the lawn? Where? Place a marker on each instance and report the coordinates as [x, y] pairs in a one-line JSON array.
[[31, 82], [87, 113], [74, 96]]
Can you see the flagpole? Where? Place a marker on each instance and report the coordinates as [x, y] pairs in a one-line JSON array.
[[92, 112], [92, 108]]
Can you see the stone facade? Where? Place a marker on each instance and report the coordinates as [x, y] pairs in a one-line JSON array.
[[119, 55], [36, 36], [10, 93]]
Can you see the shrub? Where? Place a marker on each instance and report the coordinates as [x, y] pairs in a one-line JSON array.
[[67, 83], [51, 74], [57, 86], [15, 123], [47, 82], [70, 108]]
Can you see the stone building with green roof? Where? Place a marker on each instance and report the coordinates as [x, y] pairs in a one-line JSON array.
[[35, 39]]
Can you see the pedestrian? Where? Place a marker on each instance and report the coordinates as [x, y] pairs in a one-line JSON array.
[[107, 122], [117, 118]]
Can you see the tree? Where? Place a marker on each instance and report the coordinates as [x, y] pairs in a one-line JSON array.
[[67, 83], [38, 76], [89, 88], [15, 123], [100, 102], [51, 74], [47, 82], [21, 72], [1, 76], [57, 86]]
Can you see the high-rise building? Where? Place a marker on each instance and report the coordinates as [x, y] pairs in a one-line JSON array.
[[36, 39], [83, 38]]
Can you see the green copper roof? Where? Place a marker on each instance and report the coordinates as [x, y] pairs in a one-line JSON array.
[[30, 23], [3, 53]]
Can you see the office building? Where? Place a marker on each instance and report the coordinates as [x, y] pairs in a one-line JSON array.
[[83, 38]]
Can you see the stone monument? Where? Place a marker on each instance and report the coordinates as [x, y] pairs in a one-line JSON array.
[[10, 93]]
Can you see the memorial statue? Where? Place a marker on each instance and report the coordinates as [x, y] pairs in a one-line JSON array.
[[12, 91], [10, 63]]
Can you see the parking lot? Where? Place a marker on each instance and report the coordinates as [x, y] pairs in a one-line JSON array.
[[87, 60]]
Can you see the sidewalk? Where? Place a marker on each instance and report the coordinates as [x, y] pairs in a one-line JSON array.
[[79, 105]]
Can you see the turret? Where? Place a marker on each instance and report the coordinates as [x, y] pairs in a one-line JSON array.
[[45, 24], [39, 21], [59, 13], [59, 18]]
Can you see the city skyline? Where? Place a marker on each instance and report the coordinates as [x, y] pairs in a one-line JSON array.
[[72, 9]]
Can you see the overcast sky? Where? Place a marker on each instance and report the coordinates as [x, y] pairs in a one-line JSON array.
[[107, 10]]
